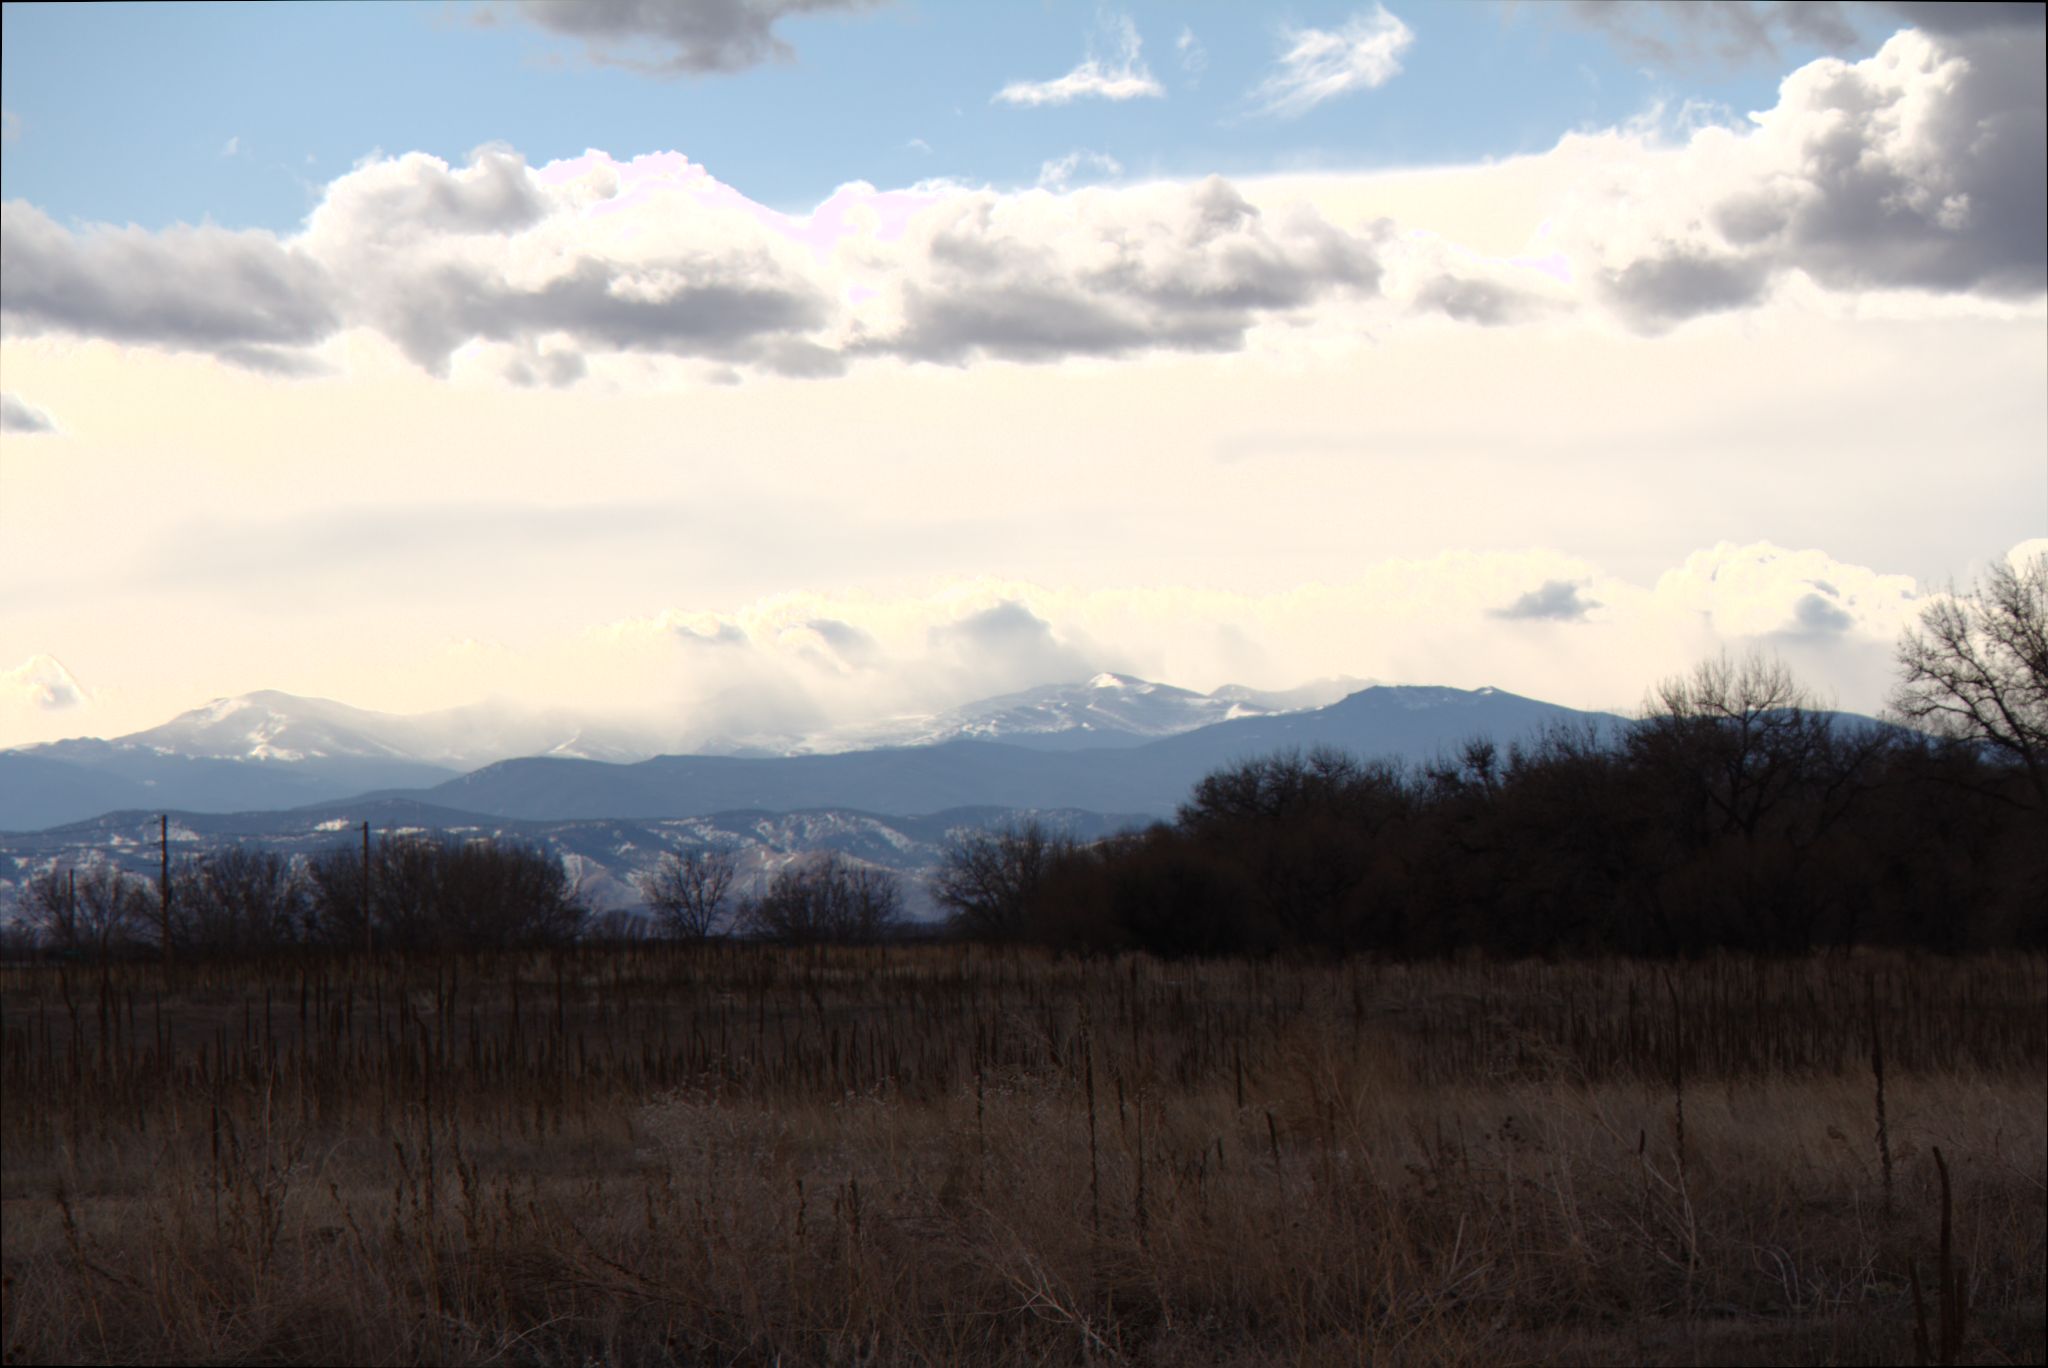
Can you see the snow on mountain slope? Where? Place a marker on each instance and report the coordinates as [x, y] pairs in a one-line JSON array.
[[602, 857], [272, 727], [1106, 710]]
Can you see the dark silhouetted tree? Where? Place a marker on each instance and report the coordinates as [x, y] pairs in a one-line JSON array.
[[238, 901], [990, 881], [1975, 670], [687, 891], [825, 899], [97, 910]]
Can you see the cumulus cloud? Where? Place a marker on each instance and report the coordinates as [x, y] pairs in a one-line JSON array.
[[1127, 78], [1471, 299], [1761, 590], [18, 417], [1820, 614], [1553, 600], [1009, 646], [683, 37], [656, 256], [1322, 64], [1919, 168], [188, 289], [41, 684], [843, 644], [1112, 272]]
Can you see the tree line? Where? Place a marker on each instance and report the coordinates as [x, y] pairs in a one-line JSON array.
[[1735, 813], [412, 892]]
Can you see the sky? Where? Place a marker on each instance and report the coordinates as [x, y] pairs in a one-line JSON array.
[[752, 367]]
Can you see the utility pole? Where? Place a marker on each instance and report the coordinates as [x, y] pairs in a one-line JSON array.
[[369, 946], [163, 835]]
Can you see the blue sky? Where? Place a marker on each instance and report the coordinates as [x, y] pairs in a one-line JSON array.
[[745, 372], [123, 112]]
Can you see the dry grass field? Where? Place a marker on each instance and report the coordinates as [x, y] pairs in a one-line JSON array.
[[945, 1154]]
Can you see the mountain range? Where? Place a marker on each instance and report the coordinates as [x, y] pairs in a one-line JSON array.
[[270, 750], [1152, 777], [1091, 757]]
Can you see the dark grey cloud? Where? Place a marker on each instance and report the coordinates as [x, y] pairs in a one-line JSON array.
[[734, 309], [235, 294], [1959, 204], [1928, 171], [18, 417], [686, 37], [1681, 32], [1191, 269], [848, 642], [1965, 16], [1656, 292], [1819, 614], [1552, 601], [1477, 301], [1671, 34], [1008, 646]]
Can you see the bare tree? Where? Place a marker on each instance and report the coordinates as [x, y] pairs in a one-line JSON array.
[[1745, 729], [428, 892], [687, 891], [96, 909], [990, 879], [1976, 668], [827, 899], [238, 901]]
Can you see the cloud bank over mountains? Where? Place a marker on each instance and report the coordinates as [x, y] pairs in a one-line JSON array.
[[772, 672], [1918, 169]]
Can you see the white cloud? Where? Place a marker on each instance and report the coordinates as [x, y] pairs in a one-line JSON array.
[[1322, 64], [42, 682], [1919, 170], [1128, 78], [232, 146], [793, 664], [1055, 175], [1766, 591], [1194, 58], [2023, 556], [10, 126], [39, 698]]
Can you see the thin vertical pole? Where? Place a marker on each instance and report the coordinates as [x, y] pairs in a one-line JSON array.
[[369, 947], [163, 833]]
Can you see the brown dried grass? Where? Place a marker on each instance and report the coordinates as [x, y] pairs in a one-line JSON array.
[[948, 1155]]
